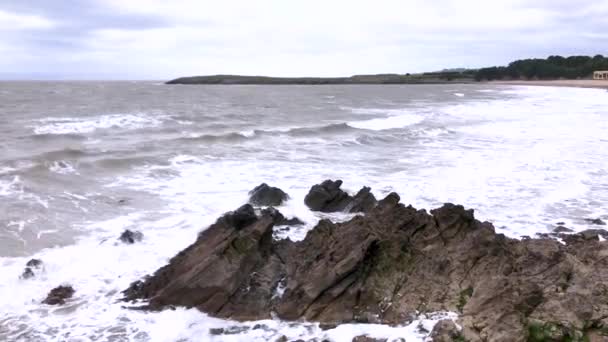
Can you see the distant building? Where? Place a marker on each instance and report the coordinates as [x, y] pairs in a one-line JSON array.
[[600, 75]]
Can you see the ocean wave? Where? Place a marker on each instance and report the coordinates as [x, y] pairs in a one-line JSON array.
[[53, 136], [391, 122], [114, 163], [83, 125], [6, 170], [377, 111], [217, 138], [62, 154], [333, 128]]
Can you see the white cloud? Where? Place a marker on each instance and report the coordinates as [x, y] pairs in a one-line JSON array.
[[314, 37], [14, 21]]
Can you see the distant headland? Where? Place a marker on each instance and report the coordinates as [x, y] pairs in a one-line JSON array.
[[538, 69], [425, 78]]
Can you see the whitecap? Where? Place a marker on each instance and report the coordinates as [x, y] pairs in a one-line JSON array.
[[11, 187], [62, 167], [390, 122], [80, 125]]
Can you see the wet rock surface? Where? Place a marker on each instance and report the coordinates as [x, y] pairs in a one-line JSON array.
[[562, 229], [59, 295], [279, 219], [387, 266], [265, 195], [130, 237], [32, 267], [596, 221], [328, 197], [365, 338]]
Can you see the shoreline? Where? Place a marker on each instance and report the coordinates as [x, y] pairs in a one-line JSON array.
[[597, 84]]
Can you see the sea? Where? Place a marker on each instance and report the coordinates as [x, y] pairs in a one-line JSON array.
[[80, 162]]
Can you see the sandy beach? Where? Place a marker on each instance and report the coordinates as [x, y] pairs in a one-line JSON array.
[[559, 83]]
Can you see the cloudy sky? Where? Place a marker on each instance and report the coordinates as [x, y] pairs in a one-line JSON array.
[[160, 39]]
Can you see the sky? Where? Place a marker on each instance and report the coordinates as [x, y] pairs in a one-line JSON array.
[[161, 39]]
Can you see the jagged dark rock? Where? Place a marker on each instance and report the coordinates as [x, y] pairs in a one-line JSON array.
[[30, 267], [327, 326], [35, 263], [364, 201], [58, 295], [240, 218], [328, 197], [387, 266], [279, 219], [131, 237], [265, 195]]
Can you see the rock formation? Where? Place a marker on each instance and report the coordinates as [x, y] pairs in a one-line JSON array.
[[388, 266], [279, 219], [328, 197], [446, 331], [596, 221], [131, 237], [265, 195], [58, 295], [30, 268]]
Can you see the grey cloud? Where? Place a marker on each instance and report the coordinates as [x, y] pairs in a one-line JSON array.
[[163, 48]]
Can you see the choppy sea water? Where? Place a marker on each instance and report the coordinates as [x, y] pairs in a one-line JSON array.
[[80, 162]]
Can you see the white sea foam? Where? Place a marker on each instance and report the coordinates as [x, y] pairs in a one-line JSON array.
[[63, 167], [459, 94], [11, 187], [6, 169], [391, 122], [525, 162], [81, 125]]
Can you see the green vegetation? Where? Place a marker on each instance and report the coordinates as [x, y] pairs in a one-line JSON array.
[[554, 67], [464, 298], [548, 332], [460, 338]]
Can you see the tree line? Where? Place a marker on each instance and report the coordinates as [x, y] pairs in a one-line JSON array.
[[553, 67]]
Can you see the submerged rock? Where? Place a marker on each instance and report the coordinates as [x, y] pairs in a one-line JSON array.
[[328, 197], [386, 267], [366, 338], [597, 221], [562, 229], [265, 195], [58, 295], [131, 237], [34, 263], [30, 268]]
